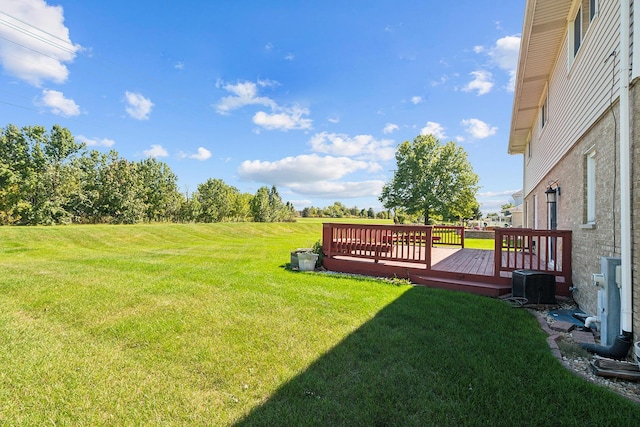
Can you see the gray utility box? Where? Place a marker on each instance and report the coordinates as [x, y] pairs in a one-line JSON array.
[[536, 286]]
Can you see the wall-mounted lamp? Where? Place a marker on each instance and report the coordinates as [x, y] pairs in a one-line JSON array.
[[552, 195], [552, 192], [552, 200]]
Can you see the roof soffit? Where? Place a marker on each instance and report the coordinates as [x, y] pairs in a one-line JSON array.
[[544, 28]]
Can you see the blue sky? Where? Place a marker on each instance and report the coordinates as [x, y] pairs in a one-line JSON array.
[[312, 96]]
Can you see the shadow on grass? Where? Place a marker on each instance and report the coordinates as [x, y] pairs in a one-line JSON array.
[[441, 358]]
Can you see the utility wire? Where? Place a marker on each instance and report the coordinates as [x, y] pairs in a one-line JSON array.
[[35, 28]]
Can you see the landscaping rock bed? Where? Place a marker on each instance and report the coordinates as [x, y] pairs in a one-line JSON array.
[[565, 344]]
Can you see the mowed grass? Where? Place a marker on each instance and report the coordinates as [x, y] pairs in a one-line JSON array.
[[204, 325]]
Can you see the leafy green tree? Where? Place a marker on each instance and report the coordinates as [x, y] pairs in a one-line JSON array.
[[260, 206], [120, 191], [431, 179], [217, 200], [506, 208], [267, 206], [84, 203], [190, 209], [35, 172], [242, 207], [477, 213], [161, 195]]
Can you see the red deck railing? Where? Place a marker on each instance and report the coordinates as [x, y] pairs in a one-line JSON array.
[[542, 250], [405, 243], [515, 248]]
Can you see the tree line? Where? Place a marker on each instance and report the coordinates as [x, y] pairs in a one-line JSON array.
[[339, 210], [49, 178]]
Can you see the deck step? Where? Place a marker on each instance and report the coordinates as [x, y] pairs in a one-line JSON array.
[[478, 288]]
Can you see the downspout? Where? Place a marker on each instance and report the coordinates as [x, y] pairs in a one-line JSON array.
[[622, 343], [626, 289]]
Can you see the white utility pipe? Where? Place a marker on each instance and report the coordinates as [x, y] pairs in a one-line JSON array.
[[626, 293], [590, 321]]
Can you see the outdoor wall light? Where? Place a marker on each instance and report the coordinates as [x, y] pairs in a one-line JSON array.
[[551, 195], [552, 199], [552, 192]]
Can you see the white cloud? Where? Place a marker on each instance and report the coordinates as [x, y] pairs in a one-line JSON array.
[[334, 119], [290, 57], [156, 151], [505, 55], [34, 42], [201, 154], [268, 83], [434, 129], [443, 79], [288, 119], [478, 49], [390, 128], [497, 193], [478, 129], [58, 104], [415, 100], [339, 190], [301, 204], [482, 82], [360, 146], [304, 168], [245, 93], [96, 142], [179, 66], [138, 107]]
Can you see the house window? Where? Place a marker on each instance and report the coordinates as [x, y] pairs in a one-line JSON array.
[[577, 32], [544, 112], [583, 12], [590, 190]]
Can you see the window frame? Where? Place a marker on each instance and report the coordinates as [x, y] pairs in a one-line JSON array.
[[577, 32], [590, 185], [579, 20]]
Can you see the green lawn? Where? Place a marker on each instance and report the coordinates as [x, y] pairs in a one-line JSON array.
[[205, 325], [486, 244]]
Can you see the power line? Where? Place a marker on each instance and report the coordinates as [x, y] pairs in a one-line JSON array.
[[29, 48], [18, 106], [24, 31]]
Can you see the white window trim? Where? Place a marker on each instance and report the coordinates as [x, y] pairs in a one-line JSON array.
[[593, 9], [590, 164], [576, 7]]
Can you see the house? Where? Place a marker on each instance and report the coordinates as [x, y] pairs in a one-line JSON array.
[[576, 124], [516, 211]]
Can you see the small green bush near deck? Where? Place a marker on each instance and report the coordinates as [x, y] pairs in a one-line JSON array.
[[205, 325]]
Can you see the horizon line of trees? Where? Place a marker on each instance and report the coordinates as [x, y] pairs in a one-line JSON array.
[[48, 178]]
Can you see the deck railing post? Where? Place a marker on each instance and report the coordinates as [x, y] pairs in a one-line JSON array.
[[327, 237], [566, 257], [497, 256], [428, 246]]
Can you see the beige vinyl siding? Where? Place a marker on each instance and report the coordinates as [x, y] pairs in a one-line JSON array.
[[578, 94]]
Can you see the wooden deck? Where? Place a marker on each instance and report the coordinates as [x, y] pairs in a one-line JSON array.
[[368, 251], [452, 268]]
